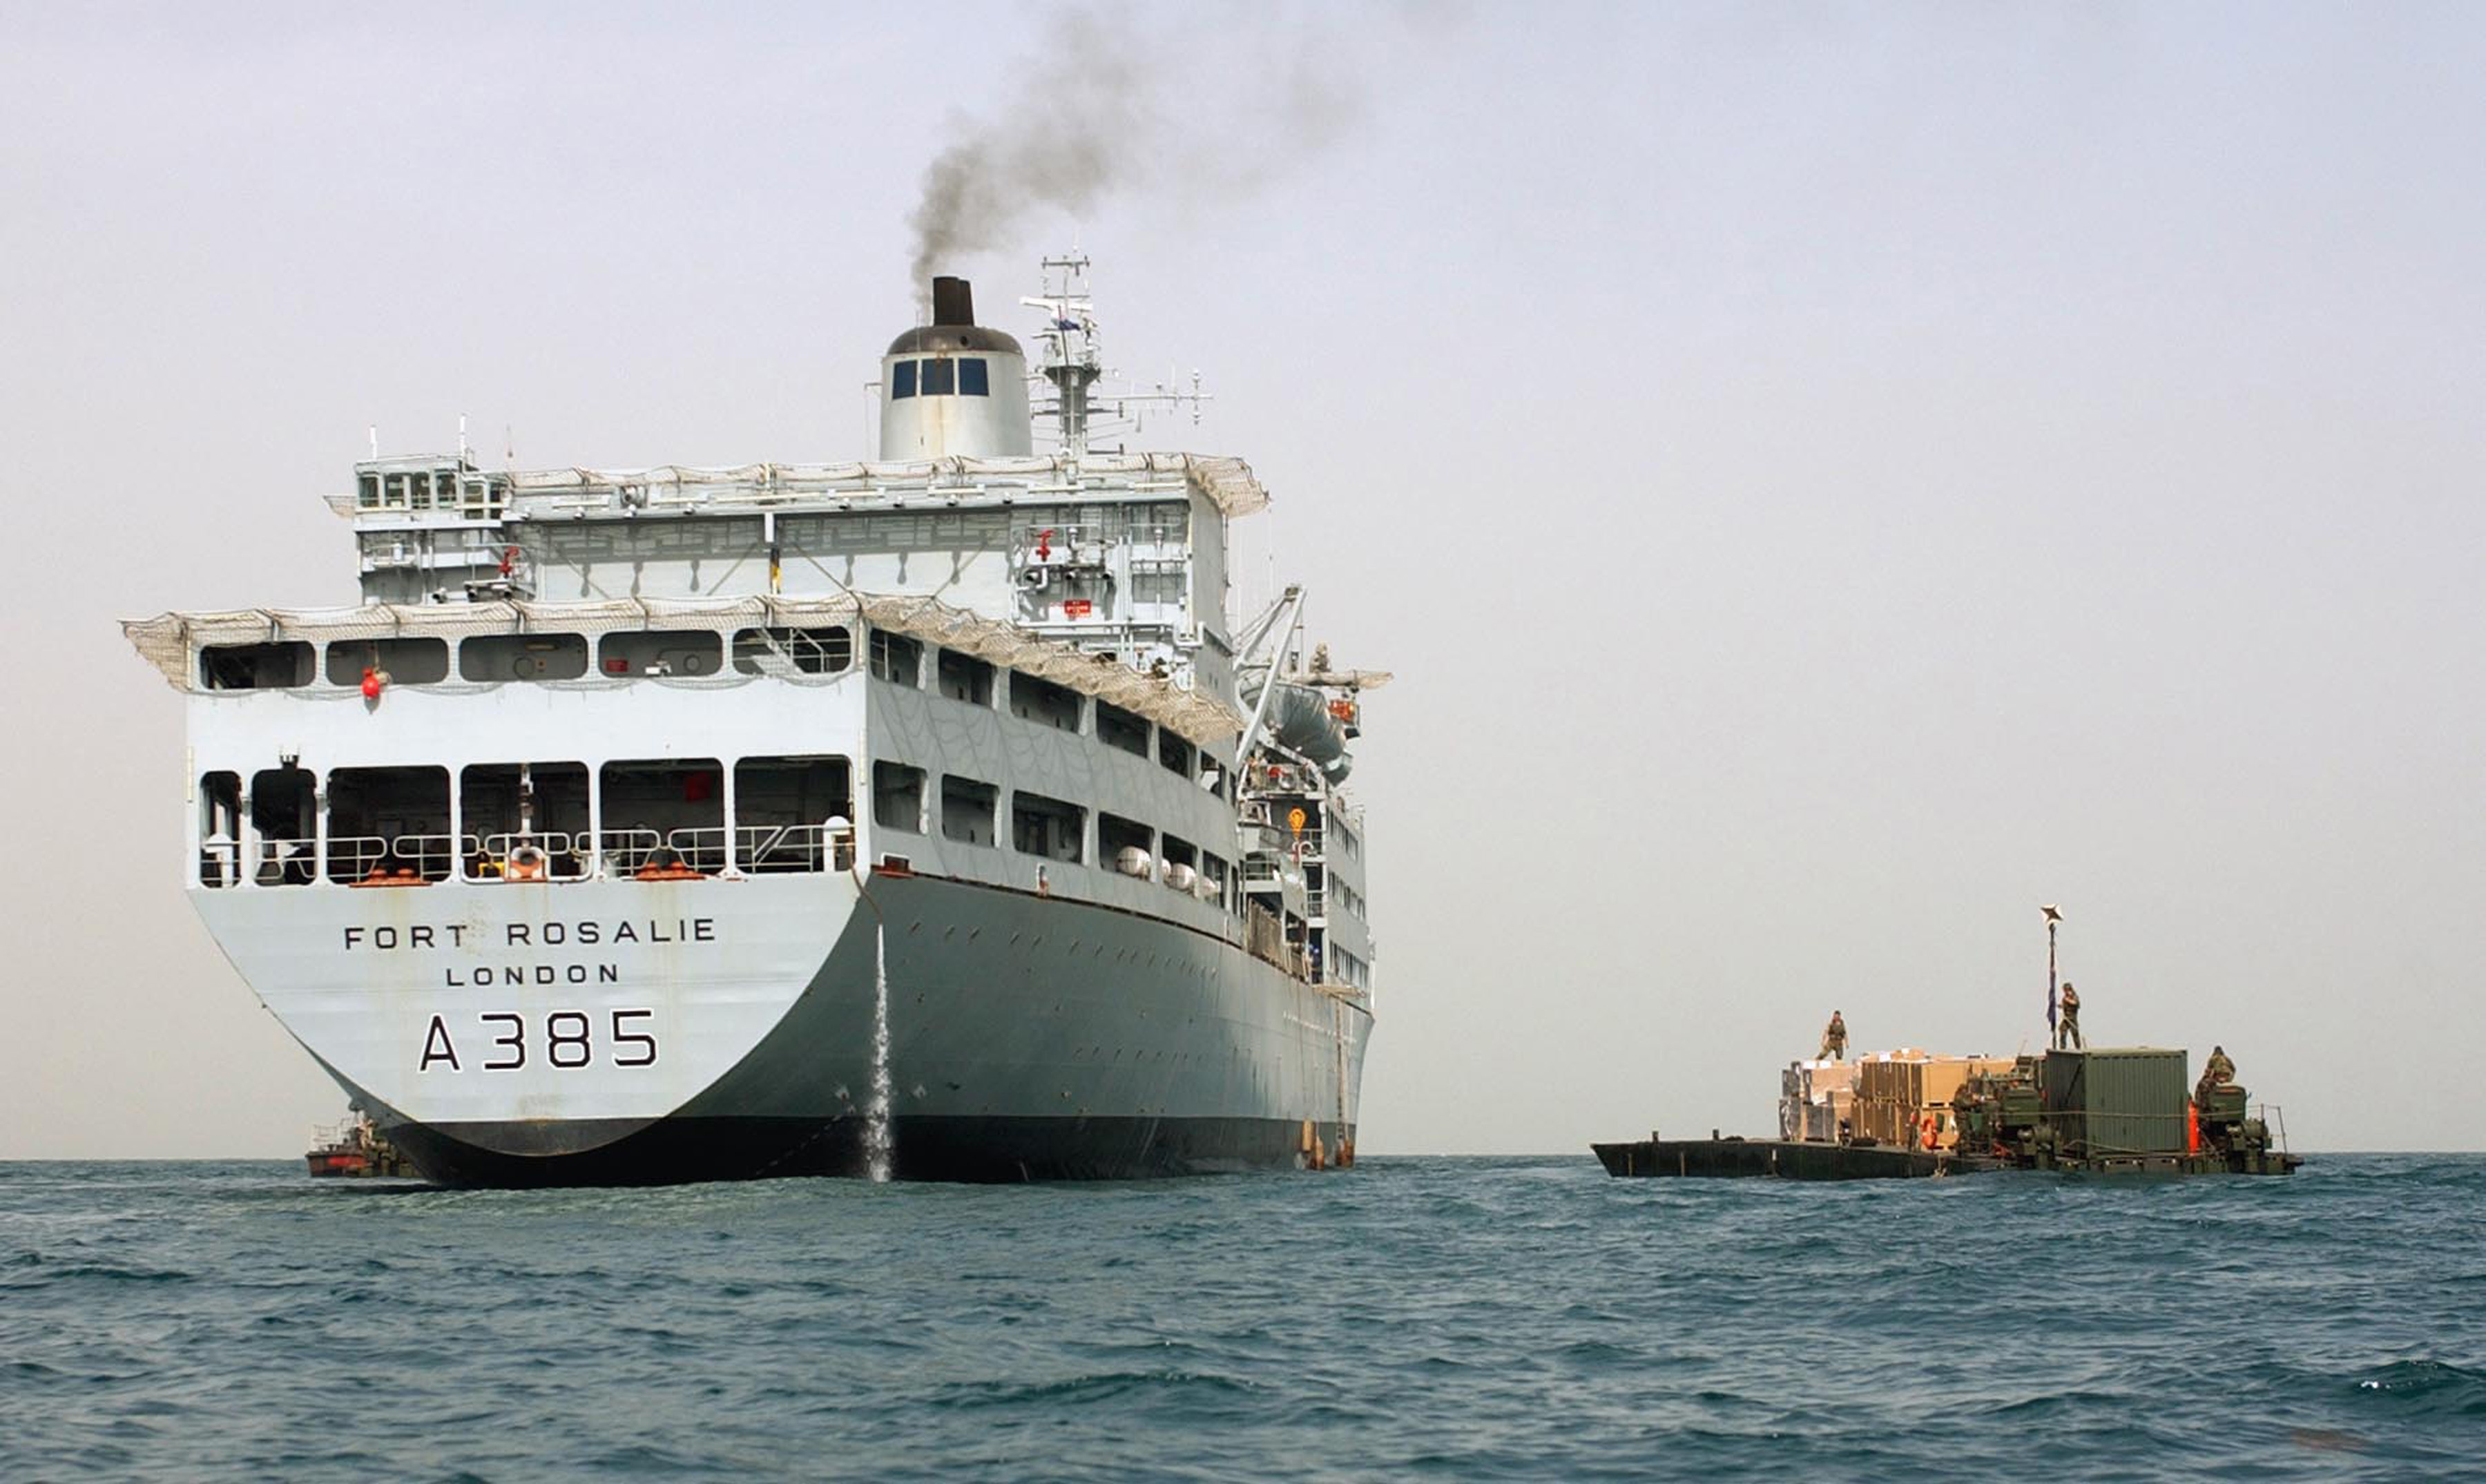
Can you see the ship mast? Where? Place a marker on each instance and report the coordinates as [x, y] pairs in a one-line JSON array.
[[1071, 361], [1074, 362]]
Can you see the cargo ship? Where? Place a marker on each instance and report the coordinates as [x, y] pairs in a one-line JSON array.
[[931, 815]]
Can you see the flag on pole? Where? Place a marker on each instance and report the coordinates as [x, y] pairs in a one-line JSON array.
[[2052, 916]]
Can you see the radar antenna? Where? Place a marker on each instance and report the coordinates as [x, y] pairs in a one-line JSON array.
[[1074, 362]]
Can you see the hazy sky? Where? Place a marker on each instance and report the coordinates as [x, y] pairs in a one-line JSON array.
[[1828, 479]]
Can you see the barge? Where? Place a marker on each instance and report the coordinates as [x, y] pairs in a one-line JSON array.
[[2103, 1110]]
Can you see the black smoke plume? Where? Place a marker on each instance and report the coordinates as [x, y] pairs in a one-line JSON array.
[[1113, 105]]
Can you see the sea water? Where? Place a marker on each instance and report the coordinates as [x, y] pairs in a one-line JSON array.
[[1463, 1318]]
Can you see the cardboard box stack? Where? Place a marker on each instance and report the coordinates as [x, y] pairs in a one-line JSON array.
[[1813, 1097], [1898, 1091]]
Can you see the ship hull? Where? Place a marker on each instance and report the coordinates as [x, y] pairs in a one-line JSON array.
[[982, 1149], [1029, 1037]]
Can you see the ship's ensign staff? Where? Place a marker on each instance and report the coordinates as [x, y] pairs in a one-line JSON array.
[[1833, 1039], [2067, 1025]]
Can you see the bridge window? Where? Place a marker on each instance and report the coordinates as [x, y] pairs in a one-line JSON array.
[[660, 652], [1178, 755], [820, 651], [967, 810], [793, 813], [964, 677], [902, 379], [389, 826], [523, 657], [279, 665], [664, 817], [1042, 701], [974, 379], [404, 661], [1117, 728], [896, 658], [220, 830], [898, 797], [939, 379], [1126, 845], [502, 805]]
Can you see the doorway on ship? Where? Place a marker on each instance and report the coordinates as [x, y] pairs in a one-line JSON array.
[[793, 813], [533, 813], [663, 817], [285, 821], [389, 825]]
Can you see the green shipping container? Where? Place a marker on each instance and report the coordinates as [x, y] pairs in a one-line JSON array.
[[2119, 1100]]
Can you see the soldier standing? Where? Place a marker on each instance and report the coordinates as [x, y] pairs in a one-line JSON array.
[[2068, 1026], [2217, 1072], [1833, 1039]]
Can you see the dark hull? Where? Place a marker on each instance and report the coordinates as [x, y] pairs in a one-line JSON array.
[[1776, 1159], [1765, 1159], [967, 1149]]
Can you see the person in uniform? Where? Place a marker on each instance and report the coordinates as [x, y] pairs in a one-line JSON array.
[[2215, 1073], [2067, 1020], [1833, 1039]]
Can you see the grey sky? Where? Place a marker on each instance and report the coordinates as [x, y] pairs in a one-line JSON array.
[[1828, 479]]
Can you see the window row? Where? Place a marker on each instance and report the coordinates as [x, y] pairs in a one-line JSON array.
[[969, 812], [962, 677], [423, 489], [623, 652], [941, 376], [657, 819]]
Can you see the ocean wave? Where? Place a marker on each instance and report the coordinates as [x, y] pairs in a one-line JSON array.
[[2427, 1389]]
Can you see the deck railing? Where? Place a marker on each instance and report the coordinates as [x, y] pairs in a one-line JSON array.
[[565, 855]]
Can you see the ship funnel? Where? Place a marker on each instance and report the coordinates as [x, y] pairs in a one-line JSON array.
[[952, 389]]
